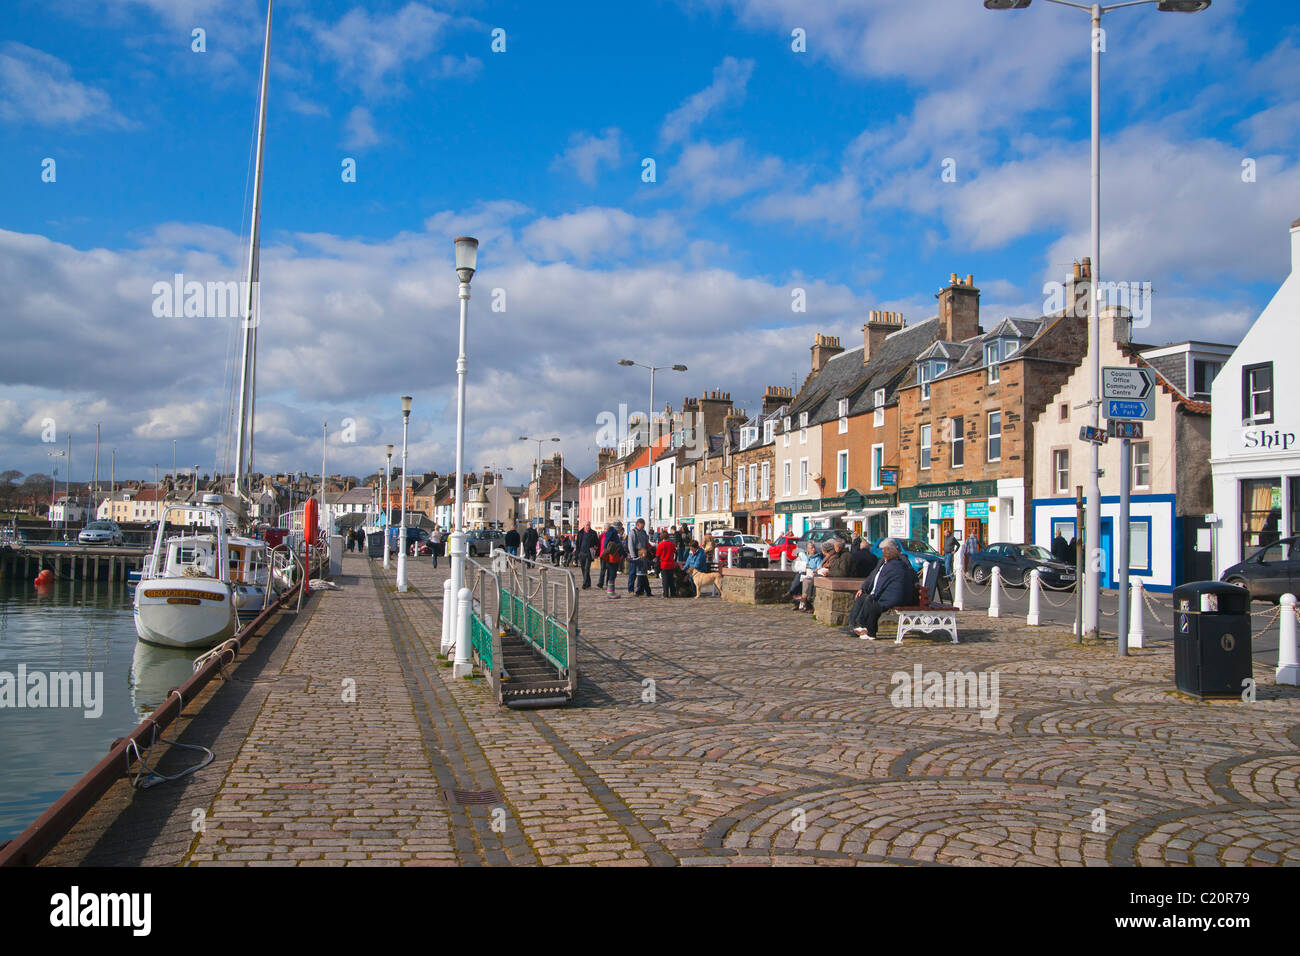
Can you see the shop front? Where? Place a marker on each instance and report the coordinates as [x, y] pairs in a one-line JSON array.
[[985, 509], [863, 514]]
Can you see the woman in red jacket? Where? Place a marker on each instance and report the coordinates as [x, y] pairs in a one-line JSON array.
[[666, 552]]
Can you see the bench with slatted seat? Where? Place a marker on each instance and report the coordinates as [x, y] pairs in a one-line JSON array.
[[925, 617]]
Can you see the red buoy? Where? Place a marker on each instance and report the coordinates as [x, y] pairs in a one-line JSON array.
[[45, 578], [310, 520]]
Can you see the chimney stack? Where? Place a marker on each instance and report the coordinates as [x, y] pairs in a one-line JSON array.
[[1077, 288], [959, 309], [879, 325], [824, 348], [774, 397]]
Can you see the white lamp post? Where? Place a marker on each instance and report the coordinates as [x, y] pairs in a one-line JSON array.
[[1092, 533], [649, 427], [466, 264], [537, 474], [401, 534], [388, 501]]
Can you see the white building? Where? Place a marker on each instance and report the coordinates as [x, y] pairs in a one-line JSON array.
[[665, 514], [1255, 432]]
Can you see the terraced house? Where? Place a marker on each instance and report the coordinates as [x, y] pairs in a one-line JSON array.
[[965, 415], [754, 460]]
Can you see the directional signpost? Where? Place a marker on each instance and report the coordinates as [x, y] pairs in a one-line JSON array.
[[1128, 397], [1128, 393]]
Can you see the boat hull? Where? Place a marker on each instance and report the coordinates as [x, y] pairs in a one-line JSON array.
[[184, 612]]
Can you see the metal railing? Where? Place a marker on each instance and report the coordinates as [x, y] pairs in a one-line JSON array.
[[537, 602]]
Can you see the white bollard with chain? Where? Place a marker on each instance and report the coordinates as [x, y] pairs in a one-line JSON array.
[[959, 581], [1136, 627], [1033, 619], [995, 587], [447, 612], [1288, 659], [785, 560], [463, 666]]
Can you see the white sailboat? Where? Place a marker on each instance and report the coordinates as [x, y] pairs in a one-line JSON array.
[[197, 586]]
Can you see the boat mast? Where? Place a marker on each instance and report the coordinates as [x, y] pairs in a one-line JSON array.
[[252, 312]]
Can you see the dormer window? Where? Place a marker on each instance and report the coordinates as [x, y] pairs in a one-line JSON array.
[[769, 432], [997, 351], [928, 371], [843, 411]]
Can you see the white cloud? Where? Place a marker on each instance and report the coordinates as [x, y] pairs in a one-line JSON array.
[[597, 234], [728, 87], [587, 152], [39, 88], [709, 173], [359, 130], [373, 50]]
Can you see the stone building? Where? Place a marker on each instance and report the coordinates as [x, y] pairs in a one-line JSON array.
[[965, 416], [755, 459]]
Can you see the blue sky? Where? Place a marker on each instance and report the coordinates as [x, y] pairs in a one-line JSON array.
[[774, 170]]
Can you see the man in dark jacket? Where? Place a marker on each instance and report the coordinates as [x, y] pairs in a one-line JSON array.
[[512, 541], [862, 562], [530, 543], [637, 539], [893, 586], [1061, 548], [588, 546]]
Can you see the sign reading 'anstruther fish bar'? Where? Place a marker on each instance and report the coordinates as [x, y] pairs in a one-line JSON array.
[[949, 491]]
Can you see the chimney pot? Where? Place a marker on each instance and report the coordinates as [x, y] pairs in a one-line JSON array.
[[952, 278], [970, 279]]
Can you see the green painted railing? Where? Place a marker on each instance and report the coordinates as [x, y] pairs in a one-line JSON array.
[[481, 637]]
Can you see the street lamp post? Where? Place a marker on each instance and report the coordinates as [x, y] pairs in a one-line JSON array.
[[537, 475], [1092, 533], [54, 482], [649, 427], [401, 534], [388, 500], [466, 265]]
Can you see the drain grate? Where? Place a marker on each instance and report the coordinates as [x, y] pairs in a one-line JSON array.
[[472, 798]]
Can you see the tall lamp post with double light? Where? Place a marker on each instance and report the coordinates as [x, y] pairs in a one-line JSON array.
[[495, 470], [388, 500], [401, 533], [537, 475], [1092, 535], [649, 427], [463, 666]]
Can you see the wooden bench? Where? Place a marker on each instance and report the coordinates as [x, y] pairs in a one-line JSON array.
[[926, 617]]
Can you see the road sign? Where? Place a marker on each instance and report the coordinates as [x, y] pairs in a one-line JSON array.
[[1095, 435], [1128, 392], [1143, 410], [1116, 428]]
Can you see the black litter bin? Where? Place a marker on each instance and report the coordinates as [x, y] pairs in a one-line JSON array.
[[375, 544], [1212, 638]]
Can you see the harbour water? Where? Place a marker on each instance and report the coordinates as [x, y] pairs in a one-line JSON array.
[[87, 681]]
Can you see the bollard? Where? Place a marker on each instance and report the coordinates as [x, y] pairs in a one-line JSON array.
[[959, 581], [447, 611], [1033, 618], [1288, 659], [464, 665], [1136, 629], [785, 560], [995, 586]]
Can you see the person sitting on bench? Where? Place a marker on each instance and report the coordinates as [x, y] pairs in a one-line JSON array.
[[894, 586]]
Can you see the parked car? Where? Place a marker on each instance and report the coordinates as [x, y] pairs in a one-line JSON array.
[[483, 540], [918, 552], [1270, 572], [414, 536], [100, 532], [1016, 561], [749, 549], [788, 543], [818, 535]]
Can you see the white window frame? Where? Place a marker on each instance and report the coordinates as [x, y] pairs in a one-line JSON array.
[[989, 436], [992, 356], [753, 481], [803, 428], [877, 463], [842, 471], [786, 476], [878, 400], [765, 479], [926, 448], [842, 408], [715, 496], [1145, 445], [803, 476], [957, 439], [726, 494], [1058, 486], [769, 432], [740, 489]]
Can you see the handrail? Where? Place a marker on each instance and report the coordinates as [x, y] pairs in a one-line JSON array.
[[543, 609], [485, 626]]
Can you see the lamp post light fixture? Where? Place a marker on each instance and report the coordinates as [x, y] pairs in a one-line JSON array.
[[388, 501], [649, 426], [54, 484], [1092, 533], [466, 266], [401, 534]]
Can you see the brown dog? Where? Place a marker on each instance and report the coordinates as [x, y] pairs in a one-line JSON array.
[[701, 578]]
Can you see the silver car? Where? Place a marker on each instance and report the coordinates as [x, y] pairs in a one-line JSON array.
[[100, 532]]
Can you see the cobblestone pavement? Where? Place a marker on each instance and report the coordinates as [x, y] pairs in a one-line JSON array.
[[709, 733]]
